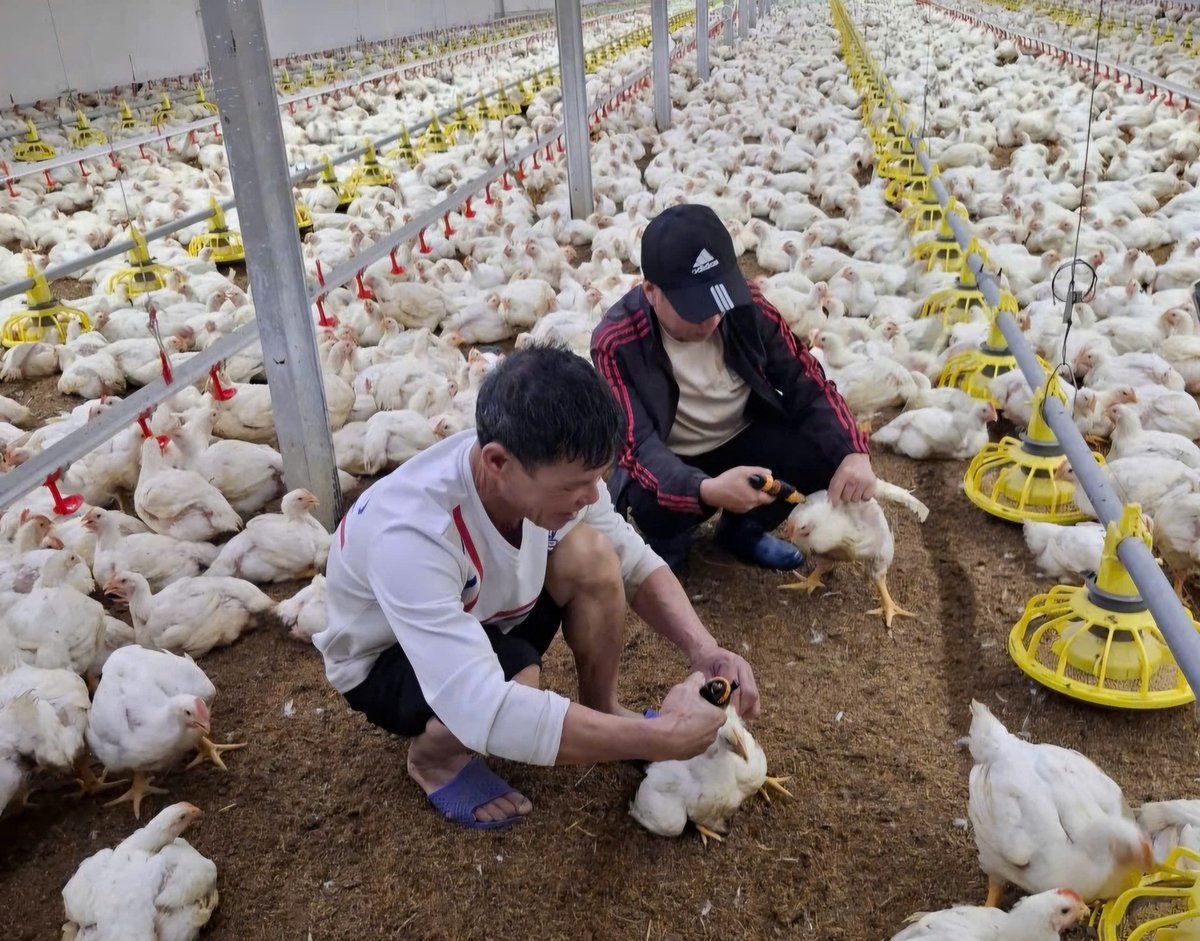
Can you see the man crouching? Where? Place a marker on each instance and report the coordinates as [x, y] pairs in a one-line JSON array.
[[449, 578]]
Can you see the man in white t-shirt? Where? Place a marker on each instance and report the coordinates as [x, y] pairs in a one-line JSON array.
[[449, 578]]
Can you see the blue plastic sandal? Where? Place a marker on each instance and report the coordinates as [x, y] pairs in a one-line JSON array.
[[475, 785]]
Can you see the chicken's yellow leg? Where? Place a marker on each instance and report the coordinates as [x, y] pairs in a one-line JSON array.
[[888, 608], [813, 580], [707, 834], [995, 890], [137, 790], [208, 750], [776, 785], [86, 778]]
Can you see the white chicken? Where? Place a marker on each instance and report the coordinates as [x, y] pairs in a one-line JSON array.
[[1177, 537], [1065, 552], [707, 789], [190, 615], [933, 433], [1046, 817], [30, 735], [160, 559], [180, 503], [150, 709], [277, 546], [1169, 824], [851, 532], [1129, 439], [1041, 917], [152, 886], [304, 614]]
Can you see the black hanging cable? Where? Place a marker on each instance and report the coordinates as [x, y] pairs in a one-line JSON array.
[[1073, 294]]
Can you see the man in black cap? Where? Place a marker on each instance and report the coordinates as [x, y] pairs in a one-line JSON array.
[[716, 389]]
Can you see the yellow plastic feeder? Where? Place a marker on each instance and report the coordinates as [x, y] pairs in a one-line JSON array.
[[202, 101], [371, 172], [346, 189], [403, 149], [44, 319], [286, 85], [32, 148], [943, 249], [222, 243], [956, 304], [1098, 642], [974, 370], [164, 112], [1163, 906], [1014, 478], [127, 122], [304, 219], [83, 134], [143, 274], [434, 139]]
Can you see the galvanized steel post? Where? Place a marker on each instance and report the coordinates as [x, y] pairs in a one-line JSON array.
[[244, 88], [569, 20]]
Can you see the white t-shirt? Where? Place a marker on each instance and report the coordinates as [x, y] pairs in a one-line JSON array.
[[712, 397], [417, 560]]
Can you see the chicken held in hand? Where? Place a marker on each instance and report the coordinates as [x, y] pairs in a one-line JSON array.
[[851, 532]]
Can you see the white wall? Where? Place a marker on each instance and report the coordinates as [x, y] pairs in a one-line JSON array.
[[163, 37], [98, 39]]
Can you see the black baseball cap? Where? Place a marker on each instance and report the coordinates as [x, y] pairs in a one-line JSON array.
[[687, 252]]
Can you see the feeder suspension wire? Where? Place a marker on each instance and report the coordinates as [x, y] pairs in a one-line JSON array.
[[1072, 296]]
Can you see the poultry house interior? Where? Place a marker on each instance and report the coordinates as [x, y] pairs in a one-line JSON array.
[[160, 587]]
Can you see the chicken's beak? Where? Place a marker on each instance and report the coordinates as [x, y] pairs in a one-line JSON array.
[[112, 589], [201, 720]]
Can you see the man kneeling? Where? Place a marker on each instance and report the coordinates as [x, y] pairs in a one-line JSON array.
[[449, 578]]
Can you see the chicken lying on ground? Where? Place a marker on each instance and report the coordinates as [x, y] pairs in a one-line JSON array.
[[851, 532], [1046, 817], [1169, 824], [707, 789], [1065, 552], [151, 885], [304, 614], [192, 615], [277, 546], [1041, 917], [933, 432]]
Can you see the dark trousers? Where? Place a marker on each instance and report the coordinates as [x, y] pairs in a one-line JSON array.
[[772, 441]]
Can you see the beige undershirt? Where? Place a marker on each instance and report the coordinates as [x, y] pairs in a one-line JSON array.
[[712, 397]]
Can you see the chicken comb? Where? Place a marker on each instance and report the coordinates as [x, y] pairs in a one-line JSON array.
[[1071, 894]]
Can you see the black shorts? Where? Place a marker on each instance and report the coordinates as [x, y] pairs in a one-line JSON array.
[[391, 698]]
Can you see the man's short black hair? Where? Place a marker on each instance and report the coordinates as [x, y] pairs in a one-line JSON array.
[[545, 405]]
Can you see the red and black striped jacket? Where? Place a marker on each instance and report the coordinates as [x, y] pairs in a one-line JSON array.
[[759, 347]]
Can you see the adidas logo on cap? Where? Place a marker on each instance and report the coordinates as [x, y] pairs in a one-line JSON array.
[[703, 262]]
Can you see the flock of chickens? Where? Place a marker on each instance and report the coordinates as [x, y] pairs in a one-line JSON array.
[[174, 525]]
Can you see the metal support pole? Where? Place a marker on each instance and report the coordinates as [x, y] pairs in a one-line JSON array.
[[743, 18], [244, 88], [729, 11], [1152, 583], [703, 59], [569, 20], [752, 5], [660, 64]]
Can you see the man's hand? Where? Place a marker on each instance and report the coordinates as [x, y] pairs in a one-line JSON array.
[[693, 721], [717, 661], [853, 482], [732, 491]]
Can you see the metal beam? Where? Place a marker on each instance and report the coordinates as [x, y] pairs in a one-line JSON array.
[[753, 8], [660, 64], [703, 59], [568, 15], [244, 87], [743, 18]]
